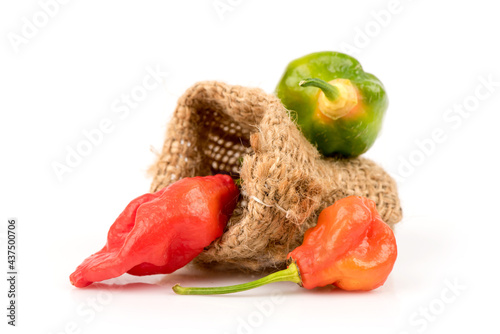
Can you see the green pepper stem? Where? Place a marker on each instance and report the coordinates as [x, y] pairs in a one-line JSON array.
[[331, 92], [289, 274]]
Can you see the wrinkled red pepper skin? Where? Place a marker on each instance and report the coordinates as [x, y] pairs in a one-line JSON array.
[[161, 232], [350, 247]]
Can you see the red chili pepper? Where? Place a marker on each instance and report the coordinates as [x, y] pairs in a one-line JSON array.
[[162, 232], [350, 247]]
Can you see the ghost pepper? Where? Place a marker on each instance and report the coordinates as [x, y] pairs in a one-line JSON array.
[[337, 105], [161, 232], [350, 247]]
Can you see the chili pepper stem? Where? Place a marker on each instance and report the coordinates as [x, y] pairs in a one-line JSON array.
[[331, 92], [289, 274], [337, 98]]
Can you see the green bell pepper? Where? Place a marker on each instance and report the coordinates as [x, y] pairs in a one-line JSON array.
[[338, 107]]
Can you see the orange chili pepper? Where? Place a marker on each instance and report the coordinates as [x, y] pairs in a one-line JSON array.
[[350, 247], [162, 232]]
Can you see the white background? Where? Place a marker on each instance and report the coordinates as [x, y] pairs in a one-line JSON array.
[[64, 78]]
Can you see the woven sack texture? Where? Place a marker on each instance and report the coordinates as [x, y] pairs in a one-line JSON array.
[[247, 133]]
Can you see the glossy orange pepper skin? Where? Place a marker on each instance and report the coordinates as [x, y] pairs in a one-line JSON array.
[[350, 247], [162, 232]]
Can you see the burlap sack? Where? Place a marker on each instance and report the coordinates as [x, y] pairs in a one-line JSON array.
[[218, 128]]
